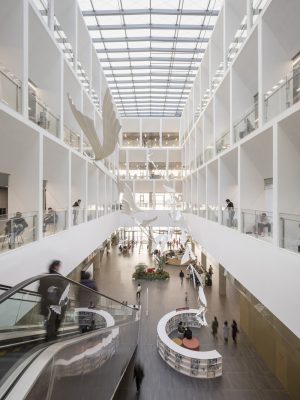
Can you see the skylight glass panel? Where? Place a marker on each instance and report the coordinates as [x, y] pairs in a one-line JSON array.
[[170, 65]]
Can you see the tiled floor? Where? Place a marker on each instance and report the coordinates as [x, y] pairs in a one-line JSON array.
[[245, 376]]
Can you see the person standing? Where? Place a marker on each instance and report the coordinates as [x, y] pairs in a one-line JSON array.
[[225, 331], [181, 276], [230, 209], [138, 375], [54, 299], [214, 327], [138, 291], [234, 331], [76, 209]]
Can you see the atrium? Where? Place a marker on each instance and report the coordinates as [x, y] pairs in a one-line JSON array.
[[149, 199]]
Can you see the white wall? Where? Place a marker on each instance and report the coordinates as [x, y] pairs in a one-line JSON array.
[[71, 247], [261, 267]]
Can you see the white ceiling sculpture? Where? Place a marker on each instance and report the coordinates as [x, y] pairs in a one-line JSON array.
[[111, 128]]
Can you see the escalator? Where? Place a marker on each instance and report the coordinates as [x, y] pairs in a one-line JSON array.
[[95, 340]]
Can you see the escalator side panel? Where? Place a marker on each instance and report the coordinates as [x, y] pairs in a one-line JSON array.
[[89, 368]]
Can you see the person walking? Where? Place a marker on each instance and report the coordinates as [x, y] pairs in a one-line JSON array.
[[181, 276], [54, 298], [225, 331], [234, 331], [138, 375], [138, 291], [214, 327]]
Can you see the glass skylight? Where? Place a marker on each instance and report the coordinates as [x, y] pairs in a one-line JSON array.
[[150, 47]]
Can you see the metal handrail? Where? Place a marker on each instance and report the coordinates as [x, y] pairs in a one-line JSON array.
[[20, 286]]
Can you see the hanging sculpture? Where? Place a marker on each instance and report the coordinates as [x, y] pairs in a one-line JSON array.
[[111, 128]]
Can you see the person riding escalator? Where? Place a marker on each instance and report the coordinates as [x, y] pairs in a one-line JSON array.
[[54, 300]]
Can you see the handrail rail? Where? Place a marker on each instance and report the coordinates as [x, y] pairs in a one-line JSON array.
[[20, 286], [246, 114]]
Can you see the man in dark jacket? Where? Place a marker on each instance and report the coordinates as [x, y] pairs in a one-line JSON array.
[[15, 227], [138, 375], [53, 291]]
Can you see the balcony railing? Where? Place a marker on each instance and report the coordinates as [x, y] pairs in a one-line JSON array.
[[202, 211], [10, 89], [237, 42], [212, 213], [199, 159], [284, 95], [78, 215], [41, 114], [17, 229], [289, 232], [91, 214], [71, 138], [223, 143], [208, 153], [257, 223], [54, 221], [229, 218], [88, 150], [247, 124]]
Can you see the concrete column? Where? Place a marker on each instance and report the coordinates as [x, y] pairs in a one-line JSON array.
[[222, 281], [203, 260]]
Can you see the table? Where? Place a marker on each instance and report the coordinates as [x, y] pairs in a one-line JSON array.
[[191, 344], [177, 341]]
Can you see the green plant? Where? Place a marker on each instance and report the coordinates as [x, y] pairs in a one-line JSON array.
[[141, 273]]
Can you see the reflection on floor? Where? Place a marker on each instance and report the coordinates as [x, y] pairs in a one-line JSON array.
[[245, 376]]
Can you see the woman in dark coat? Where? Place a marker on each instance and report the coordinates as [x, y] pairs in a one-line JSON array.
[[234, 331]]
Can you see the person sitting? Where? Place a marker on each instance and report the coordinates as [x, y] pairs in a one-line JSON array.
[[180, 330], [50, 218], [188, 334], [15, 227], [262, 223]]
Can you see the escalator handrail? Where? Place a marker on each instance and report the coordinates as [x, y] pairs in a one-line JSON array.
[[20, 286]]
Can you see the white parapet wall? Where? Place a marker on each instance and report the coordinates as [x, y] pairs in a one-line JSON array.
[[71, 247], [270, 273]]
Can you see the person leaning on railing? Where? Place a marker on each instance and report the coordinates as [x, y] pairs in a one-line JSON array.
[[262, 223], [15, 226]]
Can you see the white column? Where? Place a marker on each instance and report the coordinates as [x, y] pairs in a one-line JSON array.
[[219, 191], [275, 187], [239, 216], [69, 189], [260, 66], [249, 15], [40, 188], [86, 189], [61, 118], [25, 60], [51, 16]]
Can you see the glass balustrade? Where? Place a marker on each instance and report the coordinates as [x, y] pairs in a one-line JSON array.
[[247, 124], [202, 211], [71, 138], [17, 230], [282, 96], [101, 210], [212, 213], [10, 89], [91, 214], [257, 223], [195, 209], [289, 232], [88, 150], [237, 42], [29, 314], [229, 218], [208, 153], [199, 159], [223, 143], [78, 215], [54, 221], [41, 115]]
